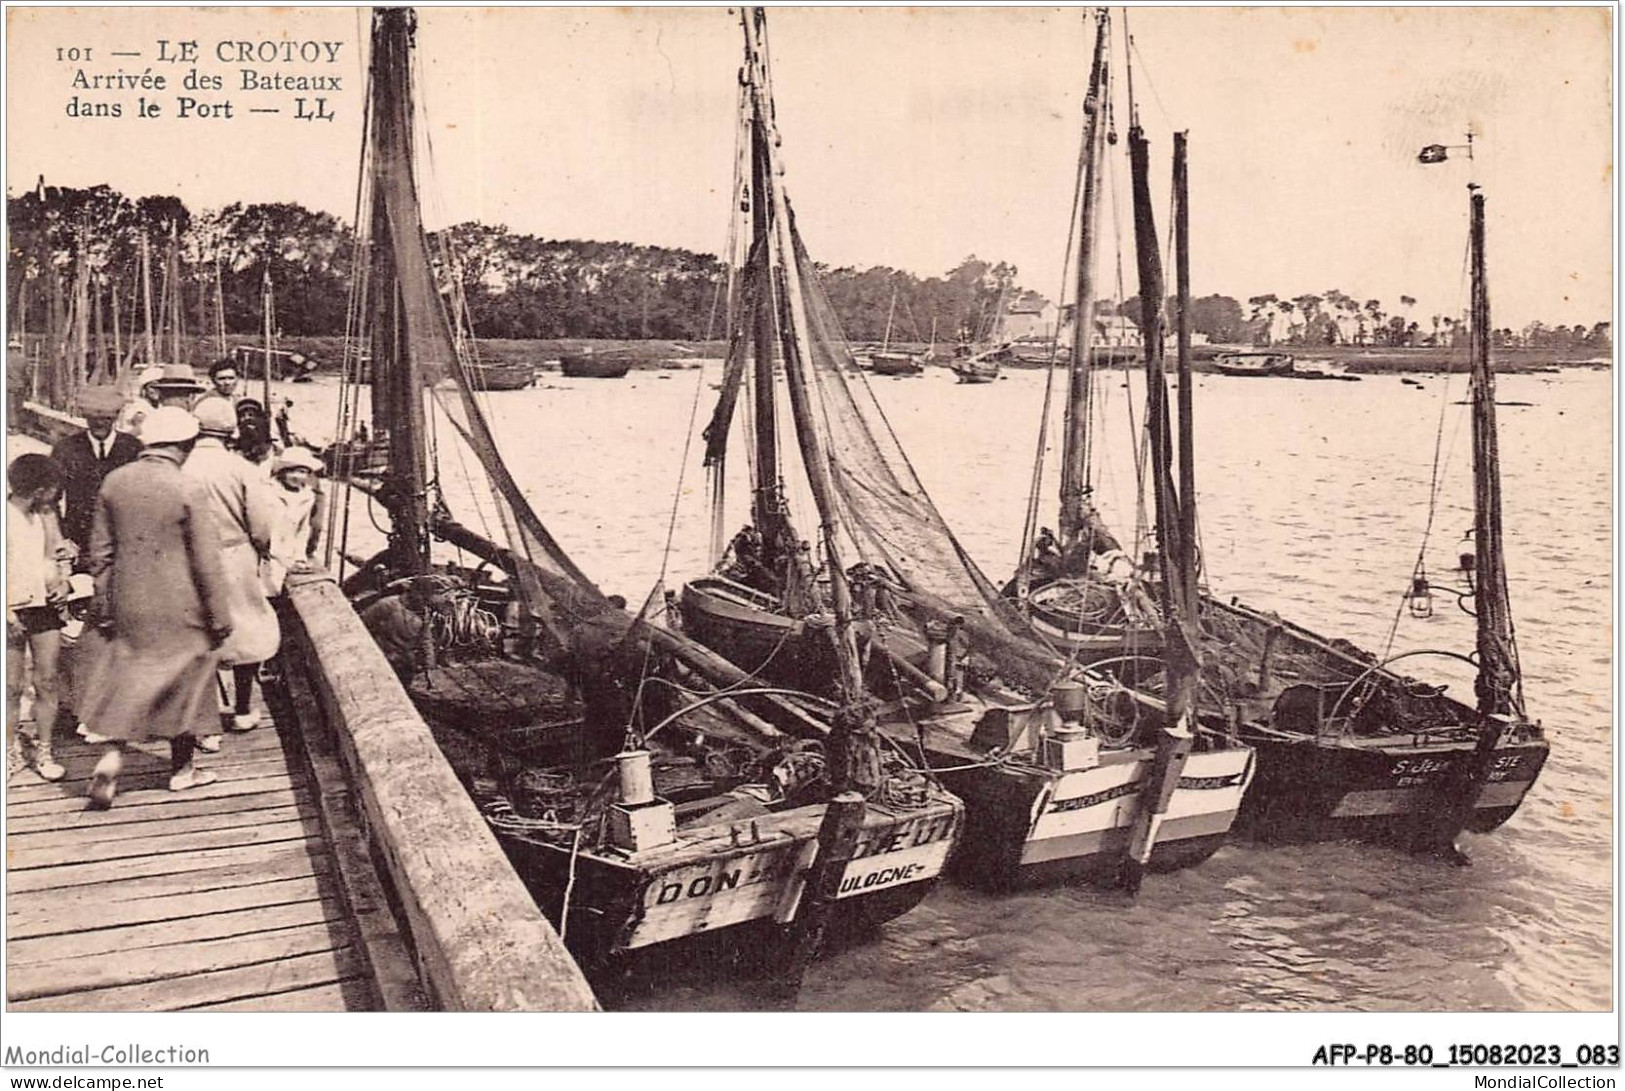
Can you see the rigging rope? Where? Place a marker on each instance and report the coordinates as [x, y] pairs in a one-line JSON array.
[[665, 556]]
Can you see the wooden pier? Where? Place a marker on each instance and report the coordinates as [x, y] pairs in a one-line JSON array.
[[226, 897], [336, 865]]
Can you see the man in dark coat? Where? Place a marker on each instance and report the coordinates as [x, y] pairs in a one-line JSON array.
[[87, 457]]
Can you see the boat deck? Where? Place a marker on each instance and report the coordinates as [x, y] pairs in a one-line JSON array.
[[227, 897]]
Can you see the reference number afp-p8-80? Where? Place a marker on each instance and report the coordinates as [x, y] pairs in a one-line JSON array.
[[1462, 1053]]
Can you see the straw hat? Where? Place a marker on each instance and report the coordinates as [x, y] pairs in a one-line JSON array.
[[177, 377], [170, 424], [215, 416], [296, 458]]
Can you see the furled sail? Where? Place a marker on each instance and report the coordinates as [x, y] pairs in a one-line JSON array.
[[413, 343]]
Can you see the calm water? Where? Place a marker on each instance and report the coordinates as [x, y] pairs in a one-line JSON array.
[[1313, 502]]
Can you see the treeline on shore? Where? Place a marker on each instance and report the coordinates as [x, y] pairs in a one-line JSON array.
[[207, 269]]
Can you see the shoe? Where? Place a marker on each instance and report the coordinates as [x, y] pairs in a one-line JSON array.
[[93, 739], [104, 781], [46, 766], [81, 730], [209, 744], [245, 721], [191, 777]]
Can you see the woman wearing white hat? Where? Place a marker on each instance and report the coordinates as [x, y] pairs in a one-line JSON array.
[[161, 598]]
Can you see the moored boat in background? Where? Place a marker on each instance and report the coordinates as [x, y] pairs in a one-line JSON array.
[[1254, 363], [594, 365]]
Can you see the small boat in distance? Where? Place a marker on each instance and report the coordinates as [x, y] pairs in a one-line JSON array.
[[594, 365], [976, 369], [487, 375], [895, 363], [1253, 363], [285, 365]]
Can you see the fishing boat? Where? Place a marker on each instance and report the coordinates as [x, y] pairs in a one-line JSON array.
[[1349, 743], [896, 363], [491, 375], [1065, 773], [286, 365], [887, 361], [976, 369], [645, 791], [1082, 590], [1254, 363], [594, 365]]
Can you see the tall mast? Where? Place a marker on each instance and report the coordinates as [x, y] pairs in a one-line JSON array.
[[81, 325], [219, 304], [396, 237], [766, 504], [854, 756], [146, 295], [173, 265], [890, 311], [1175, 506], [1499, 686], [268, 309], [1075, 449]]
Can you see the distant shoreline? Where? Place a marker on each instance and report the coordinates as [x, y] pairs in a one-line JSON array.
[[659, 354]]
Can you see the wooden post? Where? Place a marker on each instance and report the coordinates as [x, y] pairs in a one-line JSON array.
[[837, 840]]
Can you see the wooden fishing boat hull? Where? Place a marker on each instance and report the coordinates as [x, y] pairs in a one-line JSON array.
[[743, 877], [969, 371], [1253, 363], [895, 363], [502, 376], [1345, 780], [744, 626], [593, 366], [1378, 790], [285, 365], [1029, 826]]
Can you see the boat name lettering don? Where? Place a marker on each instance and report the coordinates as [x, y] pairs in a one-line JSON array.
[[705, 885]]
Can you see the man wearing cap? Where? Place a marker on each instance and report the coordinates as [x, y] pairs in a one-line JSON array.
[[240, 498], [86, 458], [161, 600]]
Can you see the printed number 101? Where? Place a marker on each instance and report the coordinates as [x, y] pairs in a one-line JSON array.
[[73, 53]]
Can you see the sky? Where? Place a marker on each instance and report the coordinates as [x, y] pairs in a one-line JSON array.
[[914, 137]]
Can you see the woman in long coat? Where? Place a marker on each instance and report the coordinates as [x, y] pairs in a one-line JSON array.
[[240, 498], [161, 599]]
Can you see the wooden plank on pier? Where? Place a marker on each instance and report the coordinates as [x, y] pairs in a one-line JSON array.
[[480, 941], [262, 979], [222, 895]]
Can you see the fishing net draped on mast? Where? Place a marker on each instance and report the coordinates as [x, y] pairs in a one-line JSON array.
[[409, 307]]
